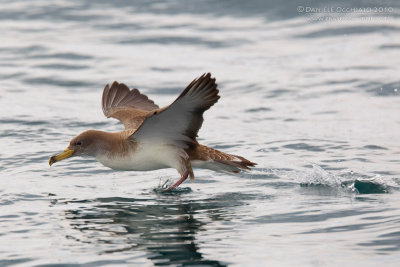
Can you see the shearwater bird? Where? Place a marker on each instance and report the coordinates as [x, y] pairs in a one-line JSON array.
[[155, 138]]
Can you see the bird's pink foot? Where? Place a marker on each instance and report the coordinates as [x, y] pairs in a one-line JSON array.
[[183, 178]]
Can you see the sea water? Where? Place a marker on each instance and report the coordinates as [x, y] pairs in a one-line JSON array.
[[311, 95]]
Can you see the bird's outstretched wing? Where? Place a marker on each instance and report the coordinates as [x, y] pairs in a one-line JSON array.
[[129, 106], [179, 123]]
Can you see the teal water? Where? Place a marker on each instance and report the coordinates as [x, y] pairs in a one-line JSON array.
[[313, 98]]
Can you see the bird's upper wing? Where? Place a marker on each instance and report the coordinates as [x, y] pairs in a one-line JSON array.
[[129, 106], [179, 123]]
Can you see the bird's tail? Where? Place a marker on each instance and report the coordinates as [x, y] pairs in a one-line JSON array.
[[209, 158]]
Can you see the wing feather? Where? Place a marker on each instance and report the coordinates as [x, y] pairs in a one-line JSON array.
[[129, 106], [180, 122]]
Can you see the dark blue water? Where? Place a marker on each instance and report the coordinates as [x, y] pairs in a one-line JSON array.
[[311, 96]]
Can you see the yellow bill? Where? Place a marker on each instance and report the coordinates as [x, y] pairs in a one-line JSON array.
[[64, 155]]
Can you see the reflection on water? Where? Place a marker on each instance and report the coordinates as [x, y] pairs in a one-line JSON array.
[[167, 230]]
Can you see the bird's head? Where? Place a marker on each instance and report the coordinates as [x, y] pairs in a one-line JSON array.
[[85, 144]]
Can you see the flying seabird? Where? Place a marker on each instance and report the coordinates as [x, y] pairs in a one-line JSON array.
[[155, 138]]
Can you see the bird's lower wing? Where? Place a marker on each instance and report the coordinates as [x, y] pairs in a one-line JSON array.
[[129, 106]]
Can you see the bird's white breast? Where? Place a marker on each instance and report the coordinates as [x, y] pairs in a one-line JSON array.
[[147, 157]]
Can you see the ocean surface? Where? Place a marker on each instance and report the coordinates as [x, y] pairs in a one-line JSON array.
[[309, 91]]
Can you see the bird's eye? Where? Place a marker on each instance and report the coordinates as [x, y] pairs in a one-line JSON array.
[[78, 143]]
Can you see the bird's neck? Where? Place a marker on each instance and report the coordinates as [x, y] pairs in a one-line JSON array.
[[113, 145]]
